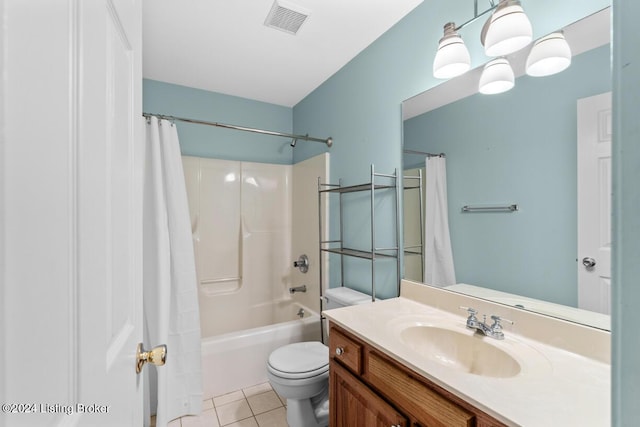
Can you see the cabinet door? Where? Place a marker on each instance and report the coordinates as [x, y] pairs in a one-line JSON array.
[[353, 404]]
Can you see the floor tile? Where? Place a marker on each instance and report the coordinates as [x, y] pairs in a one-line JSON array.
[[264, 402], [257, 389], [206, 419], [207, 404], [249, 422], [262, 407], [282, 399], [228, 398], [274, 418], [234, 411]]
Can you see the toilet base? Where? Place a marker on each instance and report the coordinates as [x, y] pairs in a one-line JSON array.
[[312, 412]]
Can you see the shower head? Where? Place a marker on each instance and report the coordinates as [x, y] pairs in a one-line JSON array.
[[294, 141]]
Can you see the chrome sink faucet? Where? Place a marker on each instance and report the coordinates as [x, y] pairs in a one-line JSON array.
[[493, 331]]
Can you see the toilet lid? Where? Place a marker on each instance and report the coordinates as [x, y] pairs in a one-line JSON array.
[[300, 360]]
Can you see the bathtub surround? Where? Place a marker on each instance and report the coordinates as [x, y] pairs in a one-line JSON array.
[[171, 314], [242, 223], [250, 221]]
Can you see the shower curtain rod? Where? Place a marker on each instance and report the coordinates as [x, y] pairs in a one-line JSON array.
[[295, 138], [423, 153]]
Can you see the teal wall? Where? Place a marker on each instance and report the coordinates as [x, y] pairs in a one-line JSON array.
[[626, 214], [207, 141], [360, 105], [516, 147]]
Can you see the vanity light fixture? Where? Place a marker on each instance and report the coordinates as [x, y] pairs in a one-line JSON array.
[[549, 55], [497, 77], [506, 31]]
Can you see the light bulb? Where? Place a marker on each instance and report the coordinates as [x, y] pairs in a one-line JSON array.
[[452, 58], [509, 29], [549, 55], [497, 77]]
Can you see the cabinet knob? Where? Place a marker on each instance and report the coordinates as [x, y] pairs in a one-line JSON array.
[[339, 351]]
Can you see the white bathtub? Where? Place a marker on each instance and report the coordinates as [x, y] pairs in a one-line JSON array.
[[236, 360]]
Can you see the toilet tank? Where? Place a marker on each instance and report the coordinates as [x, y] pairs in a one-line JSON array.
[[343, 297]]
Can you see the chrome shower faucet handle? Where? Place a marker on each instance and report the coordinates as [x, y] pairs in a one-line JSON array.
[[302, 263]]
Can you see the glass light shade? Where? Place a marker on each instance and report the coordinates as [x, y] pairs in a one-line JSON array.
[[549, 55], [497, 77], [509, 29], [452, 58]]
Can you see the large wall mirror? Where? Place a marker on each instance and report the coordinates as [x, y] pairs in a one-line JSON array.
[[518, 147]]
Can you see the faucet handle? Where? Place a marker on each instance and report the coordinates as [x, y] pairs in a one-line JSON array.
[[472, 320], [497, 319], [470, 310], [496, 327]]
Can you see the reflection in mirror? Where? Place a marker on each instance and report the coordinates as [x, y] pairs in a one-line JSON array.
[[518, 147], [413, 222]]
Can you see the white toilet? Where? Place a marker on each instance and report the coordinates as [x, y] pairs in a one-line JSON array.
[[299, 372]]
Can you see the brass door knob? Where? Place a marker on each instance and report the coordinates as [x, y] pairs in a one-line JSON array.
[[157, 356]]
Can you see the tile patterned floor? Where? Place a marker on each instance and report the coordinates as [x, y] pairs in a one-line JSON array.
[[257, 406]]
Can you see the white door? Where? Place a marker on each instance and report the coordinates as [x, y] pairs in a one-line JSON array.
[[70, 214], [594, 203], [110, 209]]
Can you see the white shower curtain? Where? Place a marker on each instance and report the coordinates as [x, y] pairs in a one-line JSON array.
[[170, 294], [438, 266]]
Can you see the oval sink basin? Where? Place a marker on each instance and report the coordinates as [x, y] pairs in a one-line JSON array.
[[459, 351]]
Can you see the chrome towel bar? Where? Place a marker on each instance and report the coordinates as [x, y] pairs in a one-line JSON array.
[[505, 208]]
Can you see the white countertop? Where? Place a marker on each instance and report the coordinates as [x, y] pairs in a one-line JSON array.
[[554, 388]]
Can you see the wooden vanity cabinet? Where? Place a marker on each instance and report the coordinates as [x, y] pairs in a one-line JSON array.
[[353, 404], [369, 389]]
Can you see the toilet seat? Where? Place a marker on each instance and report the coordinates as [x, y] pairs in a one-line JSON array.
[[299, 360]]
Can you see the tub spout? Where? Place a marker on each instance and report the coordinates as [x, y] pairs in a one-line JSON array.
[[302, 288]]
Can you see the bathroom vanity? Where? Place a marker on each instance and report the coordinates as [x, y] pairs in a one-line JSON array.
[[366, 386], [412, 361]]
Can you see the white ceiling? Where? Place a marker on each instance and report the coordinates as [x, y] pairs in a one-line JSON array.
[[223, 45]]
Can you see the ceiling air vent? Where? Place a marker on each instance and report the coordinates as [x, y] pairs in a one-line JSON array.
[[286, 17]]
